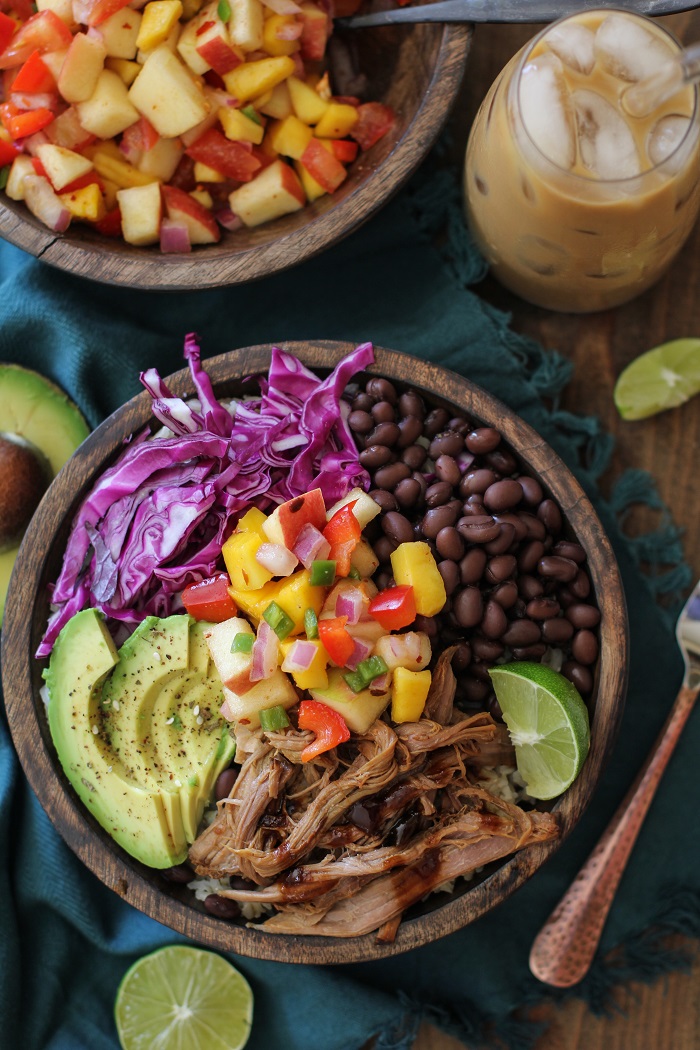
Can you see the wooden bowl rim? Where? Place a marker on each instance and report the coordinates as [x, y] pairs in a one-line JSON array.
[[218, 265], [145, 889]]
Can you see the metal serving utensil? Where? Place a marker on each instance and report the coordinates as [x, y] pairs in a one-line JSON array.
[[564, 948], [531, 12]]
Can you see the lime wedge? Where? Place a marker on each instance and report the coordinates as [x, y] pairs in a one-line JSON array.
[[548, 725], [182, 998], [659, 379]]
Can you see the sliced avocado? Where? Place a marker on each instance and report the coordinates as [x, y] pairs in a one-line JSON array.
[[33, 409], [358, 709], [82, 658]]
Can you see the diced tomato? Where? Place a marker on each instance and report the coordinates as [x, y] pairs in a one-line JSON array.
[[329, 726], [336, 640], [343, 532], [7, 29], [204, 26], [230, 158], [42, 32], [82, 181], [8, 110], [39, 167], [394, 608], [374, 120], [7, 153], [264, 158], [345, 150], [213, 79], [111, 224], [209, 599], [323, 166], [34, 76], [24, 124], [140, 136]]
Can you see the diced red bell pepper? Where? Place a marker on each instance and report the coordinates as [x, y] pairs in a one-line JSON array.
[[323, 166], [343, 532], [7, 153], [110, 225], [209, 599], [345, 150], [23, 125], [8, 110], [374, 120], [328, 725], [7, 30], [229, 158], [82, 181], [42, 32], [34, 77], [336, 640], [394, 608], [140, 136]]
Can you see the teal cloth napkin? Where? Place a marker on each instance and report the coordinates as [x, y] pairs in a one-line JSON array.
[[67, 940]]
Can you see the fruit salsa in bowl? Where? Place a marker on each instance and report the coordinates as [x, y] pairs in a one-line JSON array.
[[186, 146], [301, 589]]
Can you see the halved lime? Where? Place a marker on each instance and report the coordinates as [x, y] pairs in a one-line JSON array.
[[659, 379], [548, 725], [182, 998]]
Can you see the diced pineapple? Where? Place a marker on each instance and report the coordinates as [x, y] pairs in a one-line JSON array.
[[239, 127], [274, 44], [203, 173], [125, 69], [279, 104], [290, 137], [306, 103], [337, 121], [203, 197], [251, 79], [358, 709], [86, 203], [167, 94], [141, 212]]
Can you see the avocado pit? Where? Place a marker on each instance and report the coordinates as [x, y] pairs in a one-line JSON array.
[[25, 476]]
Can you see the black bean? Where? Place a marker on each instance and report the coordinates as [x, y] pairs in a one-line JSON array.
[[427, 624], [502, 462], [383, 412], [474, 506], [438, 493], [532, 490], [449, 570], [476, 482], [479, 529], [414, 456], [530, 652], [436, 519], [494, 621], [530, 587], [447, 469], [435, 421], [382, 390], [461, 657], [565, 597], [422, 483], [486, 648], [384, 434], [397, 528], [450, 544], [411, 404], [384, 499], [482, 440], [522, 632], [500, 568], [506, 594], [495, 710], [385, 546], [569, 549], [447, 443], [503, 541], [550, 515], [180, 873], [557, 631], [360, 422], [224, 784], [474, 690], [581, 586], [374, 456], [579, 675], [362, 403], [407, 492], [460, 424], [535, 528], [480, 669], [388, 477], [410, 429], [543, 608], [584, 647], [519, 526], [383, 580], [503, 495], [472, 565], [530, 555], [562, 569], [222, 907], [581, 614], [468, 607]]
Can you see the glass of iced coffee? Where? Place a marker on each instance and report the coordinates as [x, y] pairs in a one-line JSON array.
[[577, 205]]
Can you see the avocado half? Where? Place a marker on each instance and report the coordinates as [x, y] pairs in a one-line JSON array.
[[40, 429]]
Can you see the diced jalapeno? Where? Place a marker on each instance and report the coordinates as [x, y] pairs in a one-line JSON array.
[[354, 573], [251, 114], [311, 623], [355, 680], [224, 10], [322, 573], [274, 718], [278, 620], [242, 642]]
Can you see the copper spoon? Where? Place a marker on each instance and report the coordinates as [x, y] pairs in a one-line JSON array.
[[564, 948]]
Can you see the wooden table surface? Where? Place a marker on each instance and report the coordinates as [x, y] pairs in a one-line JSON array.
[[665, 1016]]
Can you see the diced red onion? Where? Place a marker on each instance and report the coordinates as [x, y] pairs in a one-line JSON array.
[[380, 684], [30, 144], [300, 656], [45, 204], [33, 100], [360, 652], [283, 7], [174, 236], [465, 460], [349, 603], [131, 152], [276, 558], [225, 711], [311, 545], [228, 219], [265, 653], [289, 31]]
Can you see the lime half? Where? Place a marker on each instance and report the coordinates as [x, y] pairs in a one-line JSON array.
[[659, 379], [548, 725], [182, 998]]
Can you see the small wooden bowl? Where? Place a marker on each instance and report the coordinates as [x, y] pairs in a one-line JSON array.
[[26, 613], [416, 70]]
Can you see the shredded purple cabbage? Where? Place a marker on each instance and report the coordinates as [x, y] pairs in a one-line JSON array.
[[156, 520]]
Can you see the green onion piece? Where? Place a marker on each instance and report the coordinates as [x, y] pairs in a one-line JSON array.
[[273, 718], [242, 642], [311, 624], [322, 573], [354, 573], [250, 111], [4, 176], [278, 620], [355, 680], [224, 10], [371, 668]]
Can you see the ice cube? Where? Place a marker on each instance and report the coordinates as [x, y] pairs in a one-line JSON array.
[[665, 138], [606, 144], [574, 44], [542, 256], [545, 105], [628, 50]]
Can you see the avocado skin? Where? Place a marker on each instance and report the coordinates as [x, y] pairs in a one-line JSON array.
[[145, 781]]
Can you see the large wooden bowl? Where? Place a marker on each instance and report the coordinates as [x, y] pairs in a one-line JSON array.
[[417, 70], [26, 613]]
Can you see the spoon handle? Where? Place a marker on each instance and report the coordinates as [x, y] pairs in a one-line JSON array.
[[564, 948]]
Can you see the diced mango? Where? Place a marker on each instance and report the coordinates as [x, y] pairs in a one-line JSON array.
[[203, 173], [317, 675], [203, 197], [408, 694], [337, 121], [251, 79], [295, 595], [240, 128], [312, 189], [414, 565], [306, 103], [290, 137], [159, 17], [117, 170], [272, 43], [245, 573], [279, 104], [124, 68], [86, 203], [253, 521]]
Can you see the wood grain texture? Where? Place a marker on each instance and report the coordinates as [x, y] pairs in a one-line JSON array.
[[26, 612], [416, 70]]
